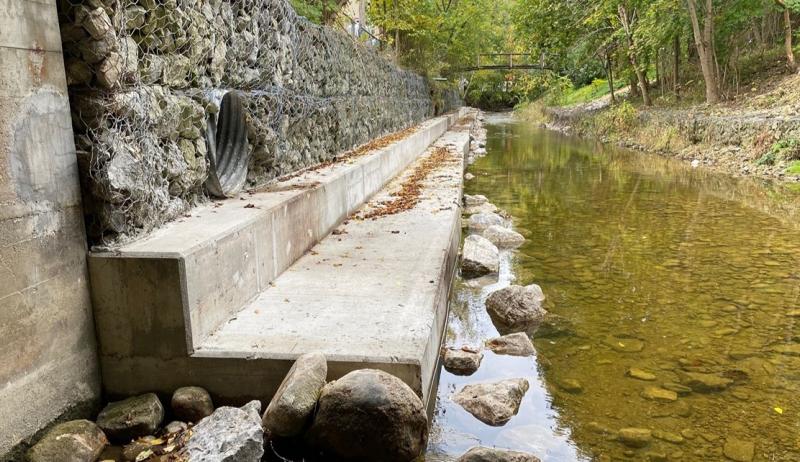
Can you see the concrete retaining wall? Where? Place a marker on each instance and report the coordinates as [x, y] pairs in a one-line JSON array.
[[48, 365]]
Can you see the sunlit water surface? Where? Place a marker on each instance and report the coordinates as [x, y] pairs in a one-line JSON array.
[[650, 264]]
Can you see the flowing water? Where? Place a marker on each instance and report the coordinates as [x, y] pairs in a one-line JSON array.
[[646, 264]]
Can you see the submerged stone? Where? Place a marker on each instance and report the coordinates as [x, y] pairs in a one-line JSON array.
[[641, 374], [739, 450], [704, 383], [635, 437], [659, 394]]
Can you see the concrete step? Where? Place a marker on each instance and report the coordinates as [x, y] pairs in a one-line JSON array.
[[229, 297]]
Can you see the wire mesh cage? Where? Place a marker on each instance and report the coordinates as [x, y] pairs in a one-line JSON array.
[[145, 76]]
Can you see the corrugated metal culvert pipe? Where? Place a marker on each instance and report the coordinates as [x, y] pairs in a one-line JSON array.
[[228, 150]]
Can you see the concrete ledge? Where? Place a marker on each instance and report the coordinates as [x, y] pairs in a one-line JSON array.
[[228, 252], [365, 296]]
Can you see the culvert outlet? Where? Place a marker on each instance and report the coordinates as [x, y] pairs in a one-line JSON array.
[[228, 151]]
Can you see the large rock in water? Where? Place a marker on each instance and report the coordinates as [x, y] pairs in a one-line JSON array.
[[191, 404], [482, 454], [516, 344], [503, 238], [516, 308], [479, 257], [370, 415], [481, 221], [230, 434], [73, 441], [493, 403], [461, 361], [294, 402], [131, 418]]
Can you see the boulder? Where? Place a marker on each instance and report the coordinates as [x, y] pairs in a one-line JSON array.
[[516, 344], [229, 434], [481, 208], [131, 418], [479, 257], [191, 404], [481, 221], [502, 237], [294, 402], [516, 308], [370, 415], [73, 441], [493, 403], [473, 200], [483, 454], [461, 361]]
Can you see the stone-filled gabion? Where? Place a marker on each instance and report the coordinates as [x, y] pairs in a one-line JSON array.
[[145, 74]]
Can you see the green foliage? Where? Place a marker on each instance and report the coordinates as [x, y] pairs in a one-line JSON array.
[[620, 118], [436, 36], [492, 90], [316, 11], [794, 168], [596, 89]]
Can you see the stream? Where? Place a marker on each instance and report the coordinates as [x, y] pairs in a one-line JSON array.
[[650, 265]]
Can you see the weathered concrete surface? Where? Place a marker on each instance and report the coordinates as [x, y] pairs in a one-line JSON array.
[[363, 297], [48, 365]]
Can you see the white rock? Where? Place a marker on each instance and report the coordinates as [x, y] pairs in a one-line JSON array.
[[503, 238], [493, 403], [481, 221], [479, 257]]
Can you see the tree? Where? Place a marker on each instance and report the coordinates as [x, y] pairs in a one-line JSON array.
[[627, 27], [704, 41], [788, 6]]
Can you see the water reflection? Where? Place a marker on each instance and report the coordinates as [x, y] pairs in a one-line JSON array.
[[690, 278]]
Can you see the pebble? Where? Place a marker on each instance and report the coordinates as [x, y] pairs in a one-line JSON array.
[[681, 390], [570, 386], [739, 450], [659, 394], [641, 374], [668, 436], [635, 437]]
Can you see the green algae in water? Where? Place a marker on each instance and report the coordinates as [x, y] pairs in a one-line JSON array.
[[688, 278]]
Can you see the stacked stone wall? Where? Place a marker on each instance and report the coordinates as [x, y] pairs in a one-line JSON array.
[[145, 75]]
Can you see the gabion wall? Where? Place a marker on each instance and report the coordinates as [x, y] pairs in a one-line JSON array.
[[145, 74]]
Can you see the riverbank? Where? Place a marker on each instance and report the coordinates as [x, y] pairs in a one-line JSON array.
[[756, 135]]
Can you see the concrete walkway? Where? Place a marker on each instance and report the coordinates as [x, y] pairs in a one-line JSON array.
[[371, 294]]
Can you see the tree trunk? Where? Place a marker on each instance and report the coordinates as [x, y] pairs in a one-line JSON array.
[[787, 31], [640, 76], [610, 74], [676, 82], [704, 43]]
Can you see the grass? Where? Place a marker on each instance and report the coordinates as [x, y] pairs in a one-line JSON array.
[[794, 168], [587, 93]]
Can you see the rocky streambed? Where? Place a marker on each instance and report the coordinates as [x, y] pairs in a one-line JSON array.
[[667, 329]]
